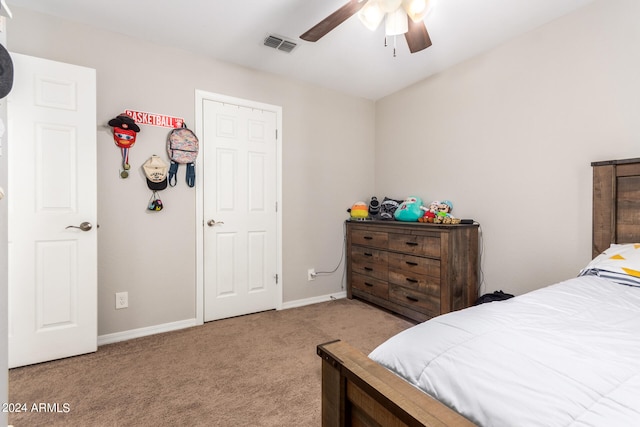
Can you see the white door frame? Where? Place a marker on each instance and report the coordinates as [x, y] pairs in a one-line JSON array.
[[200, 96]]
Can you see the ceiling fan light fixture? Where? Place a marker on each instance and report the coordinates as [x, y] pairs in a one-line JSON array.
[[371, 15], [372, 12], [389, 6], [396, 23], [417, 9]]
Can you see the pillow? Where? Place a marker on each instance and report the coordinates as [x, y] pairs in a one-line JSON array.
[[619, 263]]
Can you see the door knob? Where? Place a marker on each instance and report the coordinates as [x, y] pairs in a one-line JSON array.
[[85, 226], [212, 222]]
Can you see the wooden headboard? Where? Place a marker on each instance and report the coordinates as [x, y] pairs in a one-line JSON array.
[[616, 203]]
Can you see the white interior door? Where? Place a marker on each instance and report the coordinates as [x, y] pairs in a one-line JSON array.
[[52, 185], [239, 210]]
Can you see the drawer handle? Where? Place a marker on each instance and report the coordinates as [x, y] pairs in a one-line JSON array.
[[368, 269], [368, 284], [409, 279], [368, 238], [411, 263], [412, 243], [368, 254], [412, 298]]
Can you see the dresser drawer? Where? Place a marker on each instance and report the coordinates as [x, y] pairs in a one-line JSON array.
[[370, 262], [414, 264], [418, 282], [370, 285], [415, 245], [415, 300], [376, 239]]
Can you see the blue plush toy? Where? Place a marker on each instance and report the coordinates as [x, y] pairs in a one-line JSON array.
[[410, 210]]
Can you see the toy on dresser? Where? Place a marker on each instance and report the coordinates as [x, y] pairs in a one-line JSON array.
[[430, 212], [359, 211], [410, 210], [439, 213]]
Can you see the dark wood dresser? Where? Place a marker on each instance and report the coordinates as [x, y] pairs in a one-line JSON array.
[[418, 270]]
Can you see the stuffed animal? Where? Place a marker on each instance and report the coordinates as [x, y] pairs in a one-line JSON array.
[[359, 210], [443, 216], [445, 206], [388, 207], [439, 213], [410, 210], [430, 212]]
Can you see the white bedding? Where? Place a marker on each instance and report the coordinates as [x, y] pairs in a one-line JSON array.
[[565, 355]]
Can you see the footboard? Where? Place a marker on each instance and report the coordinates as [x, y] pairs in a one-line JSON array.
[[356, 391]]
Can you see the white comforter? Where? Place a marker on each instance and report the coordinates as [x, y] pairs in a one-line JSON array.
[[565, 355]]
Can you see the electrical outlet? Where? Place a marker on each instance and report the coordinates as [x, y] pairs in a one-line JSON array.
[[122, 300], [311, 274]]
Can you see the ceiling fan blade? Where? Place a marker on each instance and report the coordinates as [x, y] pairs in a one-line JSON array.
[[332, 21], [417, 36]]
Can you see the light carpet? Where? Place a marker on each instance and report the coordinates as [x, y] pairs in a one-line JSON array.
[[254, 370]]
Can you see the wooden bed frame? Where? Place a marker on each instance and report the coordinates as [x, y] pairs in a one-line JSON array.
[[356, 391]]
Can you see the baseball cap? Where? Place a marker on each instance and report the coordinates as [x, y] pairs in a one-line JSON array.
[[155, 169]]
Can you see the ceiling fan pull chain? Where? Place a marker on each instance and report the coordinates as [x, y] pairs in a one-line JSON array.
[[394, 46]]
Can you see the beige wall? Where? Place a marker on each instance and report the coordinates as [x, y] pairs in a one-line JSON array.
[[328, 140], [509, 137]]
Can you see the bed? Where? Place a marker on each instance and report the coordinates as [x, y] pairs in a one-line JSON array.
[[566, 355]]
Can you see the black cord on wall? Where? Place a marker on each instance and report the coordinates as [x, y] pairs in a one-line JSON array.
[[344, 244]]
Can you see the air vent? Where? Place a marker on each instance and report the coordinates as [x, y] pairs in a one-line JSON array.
[[273, 41], [280, 43], [287, 46]]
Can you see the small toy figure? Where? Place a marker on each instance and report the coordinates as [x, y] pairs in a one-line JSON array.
[[443, 216], [374, 206], [430, 212], [124, 135], [445, 206]]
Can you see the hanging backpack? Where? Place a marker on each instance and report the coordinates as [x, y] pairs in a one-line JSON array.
[[182, 146]]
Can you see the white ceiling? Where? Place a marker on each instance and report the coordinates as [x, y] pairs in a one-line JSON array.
[[349, 59]]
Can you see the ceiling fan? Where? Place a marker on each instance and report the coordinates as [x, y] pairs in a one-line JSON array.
[[400, 16]]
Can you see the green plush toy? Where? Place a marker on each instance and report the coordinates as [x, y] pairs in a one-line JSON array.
[[410, 210]]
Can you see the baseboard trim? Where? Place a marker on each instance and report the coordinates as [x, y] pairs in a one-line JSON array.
[[313, 300], [182, 324], [143, 332]]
